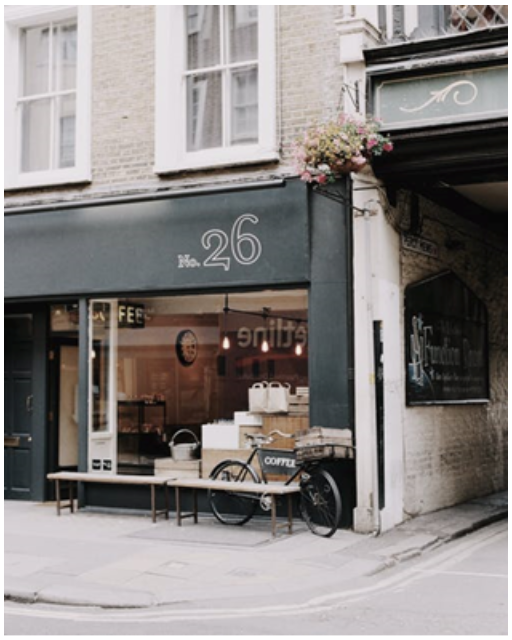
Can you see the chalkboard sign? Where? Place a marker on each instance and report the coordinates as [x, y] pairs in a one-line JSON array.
[[445, 343]]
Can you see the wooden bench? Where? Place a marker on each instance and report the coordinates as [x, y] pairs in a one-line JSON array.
[[74, 477], [271, 490]]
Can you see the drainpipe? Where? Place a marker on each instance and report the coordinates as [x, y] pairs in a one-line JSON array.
[[371, 370]]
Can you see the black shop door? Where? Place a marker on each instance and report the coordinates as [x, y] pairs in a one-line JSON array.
[[18, 407]]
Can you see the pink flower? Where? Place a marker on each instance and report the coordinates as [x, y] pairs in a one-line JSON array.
[[306, 176], [321, 179], [388, 146], [359, 160], [372, 142]]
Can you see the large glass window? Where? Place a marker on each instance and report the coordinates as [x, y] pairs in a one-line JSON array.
[[181, 362]]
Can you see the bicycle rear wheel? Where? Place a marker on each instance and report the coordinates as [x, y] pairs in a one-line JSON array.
[[320, 503], [233, 507]]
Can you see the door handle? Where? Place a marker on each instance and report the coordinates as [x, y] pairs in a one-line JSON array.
[[29, 403], [11, 442]]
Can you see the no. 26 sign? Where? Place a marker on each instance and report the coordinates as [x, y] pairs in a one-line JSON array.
[[239, 244]]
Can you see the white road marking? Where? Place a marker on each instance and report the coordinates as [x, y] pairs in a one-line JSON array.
[[473, 574]]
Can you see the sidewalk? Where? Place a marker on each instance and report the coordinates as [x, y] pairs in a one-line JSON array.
[[105, 560]]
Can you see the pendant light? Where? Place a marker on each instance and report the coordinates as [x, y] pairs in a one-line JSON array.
[[225, 340], [265, 347]]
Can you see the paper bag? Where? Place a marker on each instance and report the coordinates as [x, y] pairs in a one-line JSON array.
[[258, 397], [278, 397]]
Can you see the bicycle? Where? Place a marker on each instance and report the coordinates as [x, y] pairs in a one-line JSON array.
[[319, 498]]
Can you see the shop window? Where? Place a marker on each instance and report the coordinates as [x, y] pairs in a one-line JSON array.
[[220, 59], [47, 95], [159, 365]]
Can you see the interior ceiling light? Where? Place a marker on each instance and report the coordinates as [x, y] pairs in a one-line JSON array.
[[225, 341]]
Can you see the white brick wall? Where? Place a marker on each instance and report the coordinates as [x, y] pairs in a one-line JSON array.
[[453, 453]]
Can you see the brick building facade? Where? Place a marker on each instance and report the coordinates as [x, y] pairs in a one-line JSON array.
[[324, 59]]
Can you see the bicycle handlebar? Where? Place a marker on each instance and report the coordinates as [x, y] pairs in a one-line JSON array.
[[260, 438]]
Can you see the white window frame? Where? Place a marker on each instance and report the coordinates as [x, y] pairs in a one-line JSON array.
[[171, 154], [21, 17]]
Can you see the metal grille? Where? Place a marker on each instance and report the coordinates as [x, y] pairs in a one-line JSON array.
[[470, 17]]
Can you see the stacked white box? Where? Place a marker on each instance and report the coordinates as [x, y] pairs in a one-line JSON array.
[[221, 435]]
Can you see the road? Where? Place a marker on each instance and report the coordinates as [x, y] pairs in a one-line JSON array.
[[459, 589]]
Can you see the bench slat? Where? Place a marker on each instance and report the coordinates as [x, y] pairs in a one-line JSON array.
[[76, 476], [243, 487]]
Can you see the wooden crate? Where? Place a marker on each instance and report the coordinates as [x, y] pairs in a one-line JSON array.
[[285, 424], [178, 469], [212, 457]]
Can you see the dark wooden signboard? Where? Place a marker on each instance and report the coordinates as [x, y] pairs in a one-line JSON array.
[[445, 343]]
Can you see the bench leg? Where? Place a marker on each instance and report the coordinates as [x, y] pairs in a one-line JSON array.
[[179, 514], [290, 513], [273, 512], [166, 489], [153, 503], [57, 495], [178, 506]]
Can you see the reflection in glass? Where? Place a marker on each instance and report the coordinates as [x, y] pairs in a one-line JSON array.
[[203, 36], [244, 106], [243, 32], [35, 47], [35, 123], [204, 111], [64, 57], [66, 106], [100, 364]]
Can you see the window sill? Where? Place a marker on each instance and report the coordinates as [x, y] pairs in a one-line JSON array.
[[208, 161], [42, 179]]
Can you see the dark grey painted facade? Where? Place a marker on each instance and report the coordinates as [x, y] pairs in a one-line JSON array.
[[279, 236]]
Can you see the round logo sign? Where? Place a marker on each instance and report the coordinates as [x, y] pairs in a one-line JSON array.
[[186, 347]]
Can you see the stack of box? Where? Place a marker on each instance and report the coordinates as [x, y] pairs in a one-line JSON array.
[[226, 440], [299, 402]]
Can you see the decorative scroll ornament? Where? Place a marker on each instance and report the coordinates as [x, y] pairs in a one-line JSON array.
[[443, 94]]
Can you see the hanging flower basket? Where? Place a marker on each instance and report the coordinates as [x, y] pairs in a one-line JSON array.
[[328, 151]]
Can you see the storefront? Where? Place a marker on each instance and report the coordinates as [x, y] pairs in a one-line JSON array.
[[153, 315]]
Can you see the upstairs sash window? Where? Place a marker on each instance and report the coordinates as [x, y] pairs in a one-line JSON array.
[[215, 85], [47, 100], [48, 96]]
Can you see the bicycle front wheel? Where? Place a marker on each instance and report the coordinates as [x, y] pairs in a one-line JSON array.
[[233, 507], [320, 503]]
